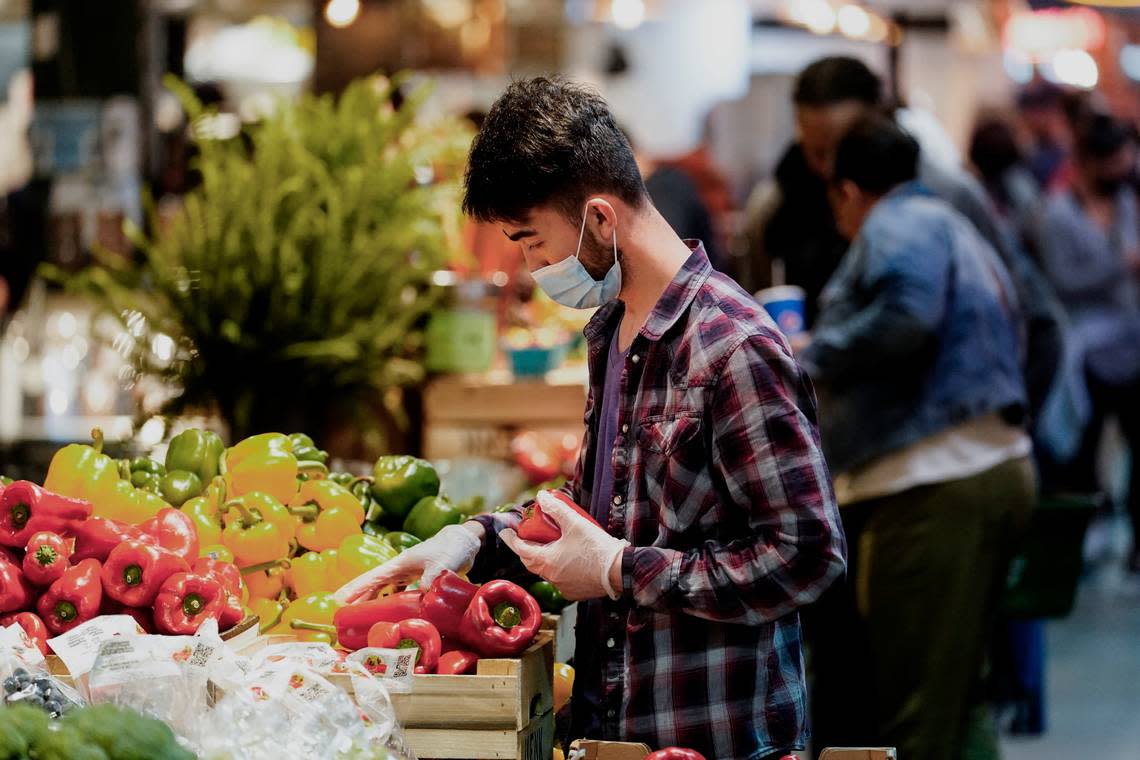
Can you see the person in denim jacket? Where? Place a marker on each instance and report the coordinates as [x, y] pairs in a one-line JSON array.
[[915, 356]]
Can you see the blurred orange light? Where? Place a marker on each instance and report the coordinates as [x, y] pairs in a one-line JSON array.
[[1038, 35]]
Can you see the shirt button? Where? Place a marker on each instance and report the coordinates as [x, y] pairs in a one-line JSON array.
[[611, 713], [617, 500], [610, 643], [615, 617], [625, 428], [635, 358]]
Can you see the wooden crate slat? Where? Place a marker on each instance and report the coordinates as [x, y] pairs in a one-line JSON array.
[[534, 742]]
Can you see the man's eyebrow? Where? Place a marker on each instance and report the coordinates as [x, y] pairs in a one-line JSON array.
[[520, 235]]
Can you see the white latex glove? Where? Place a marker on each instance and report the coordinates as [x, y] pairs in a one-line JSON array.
[[578, 563], [453, 548]]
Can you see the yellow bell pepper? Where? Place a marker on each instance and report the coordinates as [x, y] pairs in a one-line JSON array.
[[258, 529], [326, 513], [310, 618], [262, 463], [266, 582], [360, 553], [269, 611], [311, 573], [85, 472]]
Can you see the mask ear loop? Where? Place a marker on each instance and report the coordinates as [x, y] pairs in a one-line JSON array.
[[582, 232], [582, 236]]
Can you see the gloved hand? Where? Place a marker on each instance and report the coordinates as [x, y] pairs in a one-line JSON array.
[[578, 563], [453, 548]]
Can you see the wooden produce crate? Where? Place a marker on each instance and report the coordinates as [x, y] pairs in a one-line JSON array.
[[479, 415], [504, 710], [562, 626]]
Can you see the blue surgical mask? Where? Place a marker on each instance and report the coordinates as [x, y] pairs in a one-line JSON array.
[[568, 283]]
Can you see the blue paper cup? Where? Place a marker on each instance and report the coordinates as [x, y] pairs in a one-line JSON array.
[[785, 304]]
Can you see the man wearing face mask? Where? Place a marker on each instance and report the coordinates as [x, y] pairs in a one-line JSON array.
[[701, 456], [1089, 242]]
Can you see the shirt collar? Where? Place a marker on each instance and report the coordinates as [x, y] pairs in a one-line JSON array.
[[670, 306]]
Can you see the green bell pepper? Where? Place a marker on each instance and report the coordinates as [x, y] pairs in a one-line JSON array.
[[5, 480], [430, 515], [178, 487], [400, 482], [475, 505], [401, 540], [548, 596], [146, 464], [304, 450], [373, 529], [147, 481], [342, 478], [195, 451]]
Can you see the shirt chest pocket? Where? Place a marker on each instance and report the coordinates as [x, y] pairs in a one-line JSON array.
[[674, 464]]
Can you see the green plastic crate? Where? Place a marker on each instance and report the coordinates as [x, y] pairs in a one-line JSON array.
[[1043, 576]]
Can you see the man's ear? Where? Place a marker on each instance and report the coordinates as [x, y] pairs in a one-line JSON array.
[[601, 218]]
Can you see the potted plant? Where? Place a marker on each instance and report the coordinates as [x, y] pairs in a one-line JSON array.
[[295, 279]]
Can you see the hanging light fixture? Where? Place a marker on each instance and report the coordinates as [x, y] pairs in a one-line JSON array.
[[341, 13]]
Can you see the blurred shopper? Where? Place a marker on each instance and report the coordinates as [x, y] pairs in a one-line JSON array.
[[1042, 110], [922, 401], [712, 186], [701, 455], [675, 195], [797, 227], [1089, 243], [1004, 173]]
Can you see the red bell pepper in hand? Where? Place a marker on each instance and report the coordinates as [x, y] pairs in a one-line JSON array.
[[408, 634], [675, 753], [185, 601], [227, 573], [539, 527], [26, 508], [175, 532], [457, 662], [15, 591], [73, 599], [32, 626], [142, 615], [96, 537], [135, 571], [47, 556], [445, 601], [353, 621], [501, 621]]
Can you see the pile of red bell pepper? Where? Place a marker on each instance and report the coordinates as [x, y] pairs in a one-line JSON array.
[[60, 566], [453, 623]]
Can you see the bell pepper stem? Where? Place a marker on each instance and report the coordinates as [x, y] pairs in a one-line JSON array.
[[20, 513], [251, 569], [124, 466], [97, 439], [312, 468], [66, 611], [309, 511], [248, 517], [361, 479], [45, 555], [265, 625], [304, 625], [373, 512], [506, 615], [192, 605], [132, 575]]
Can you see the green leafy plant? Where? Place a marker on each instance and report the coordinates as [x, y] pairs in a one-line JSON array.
[[296, 278]]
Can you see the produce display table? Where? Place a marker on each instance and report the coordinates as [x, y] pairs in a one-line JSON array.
[[478, 415]]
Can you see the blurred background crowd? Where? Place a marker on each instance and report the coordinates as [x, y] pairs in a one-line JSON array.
[[1001, 136]]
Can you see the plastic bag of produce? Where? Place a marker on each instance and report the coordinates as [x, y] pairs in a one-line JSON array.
[[292, 702], [165, 677], [26, 679]]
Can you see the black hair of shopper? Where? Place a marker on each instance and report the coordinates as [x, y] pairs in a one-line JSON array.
[[994, 149], [1102, 136], [877, 155], [548, 142], [837, 79]]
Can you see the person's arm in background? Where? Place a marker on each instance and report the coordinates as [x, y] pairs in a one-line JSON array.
[[1070, 263], [766, 452], [906, 277]]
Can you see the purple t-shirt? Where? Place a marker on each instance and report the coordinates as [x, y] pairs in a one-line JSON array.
[[588, 691], [603, 483]]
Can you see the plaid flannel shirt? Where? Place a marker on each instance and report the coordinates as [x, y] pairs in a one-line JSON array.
[[721, 488]]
